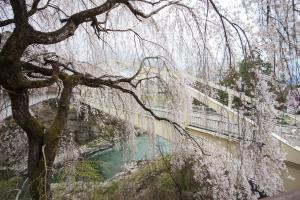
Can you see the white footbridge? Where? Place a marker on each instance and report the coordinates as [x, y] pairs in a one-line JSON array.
[[213, 121]]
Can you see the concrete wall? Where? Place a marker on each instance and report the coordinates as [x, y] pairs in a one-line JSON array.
[[291, 179]]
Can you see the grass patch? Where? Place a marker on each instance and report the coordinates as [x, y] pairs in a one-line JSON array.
[[8, 188], [81, 171], [152, 180]]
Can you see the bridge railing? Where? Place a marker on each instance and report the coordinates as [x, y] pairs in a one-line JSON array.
[[200, 118], [216, 125]]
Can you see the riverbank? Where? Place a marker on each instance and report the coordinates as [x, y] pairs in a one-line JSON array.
[[145, 180]]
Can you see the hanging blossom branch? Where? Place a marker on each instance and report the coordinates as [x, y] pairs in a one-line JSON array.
[[18, 76], [240, 31], [114, 82], [88, 15]]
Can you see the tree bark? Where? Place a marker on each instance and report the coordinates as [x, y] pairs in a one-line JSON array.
[[43, 142]]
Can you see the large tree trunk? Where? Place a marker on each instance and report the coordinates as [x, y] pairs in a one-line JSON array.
[[42, 142]]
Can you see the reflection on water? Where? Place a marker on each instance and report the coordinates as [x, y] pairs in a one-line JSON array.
[[110, 162]]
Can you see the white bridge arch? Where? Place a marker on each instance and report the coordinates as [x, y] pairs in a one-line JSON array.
[[221, 127]]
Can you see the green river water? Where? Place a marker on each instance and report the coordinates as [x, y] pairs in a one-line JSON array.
[[109, 162]]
